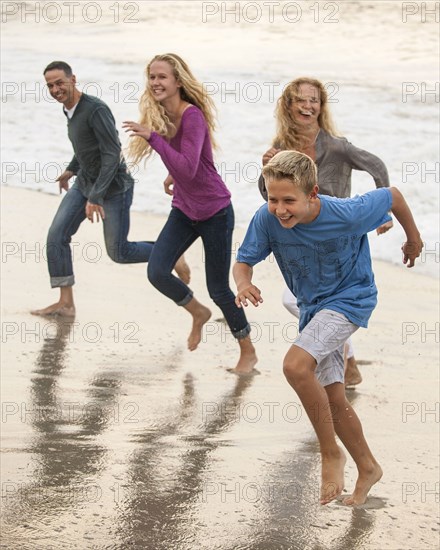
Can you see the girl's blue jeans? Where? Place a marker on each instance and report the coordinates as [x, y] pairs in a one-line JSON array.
[[176, 237]]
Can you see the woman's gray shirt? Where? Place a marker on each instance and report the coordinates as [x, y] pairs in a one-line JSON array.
[[336, 158]]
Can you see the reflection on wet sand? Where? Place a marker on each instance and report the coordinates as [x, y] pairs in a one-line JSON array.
[[289, 516], [164, 470], [64, 455], [293, 520], [166, 474]]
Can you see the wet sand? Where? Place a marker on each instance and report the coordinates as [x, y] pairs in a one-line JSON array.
[[115, 436]]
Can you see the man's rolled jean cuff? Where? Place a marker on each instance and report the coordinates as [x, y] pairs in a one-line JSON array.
[[239, 335], [62, 281], [186, 300]]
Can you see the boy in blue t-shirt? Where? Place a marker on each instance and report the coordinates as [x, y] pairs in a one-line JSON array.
[[321, 247]]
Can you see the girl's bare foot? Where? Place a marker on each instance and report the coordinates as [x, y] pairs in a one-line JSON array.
[[332, 476], [200, 315], [239, 372], [182, 269], [363, 485], [248, 358], [59, 309]]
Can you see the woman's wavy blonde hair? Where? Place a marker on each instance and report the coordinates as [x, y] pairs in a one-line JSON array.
[[287, 134], [153, 114]]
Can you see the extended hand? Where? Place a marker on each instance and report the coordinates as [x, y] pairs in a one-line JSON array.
[[63, 180], [411, 250], [93, 210], [136, 129], [251, 293]]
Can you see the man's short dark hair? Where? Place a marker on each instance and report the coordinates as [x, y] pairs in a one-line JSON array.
[[60, 66]]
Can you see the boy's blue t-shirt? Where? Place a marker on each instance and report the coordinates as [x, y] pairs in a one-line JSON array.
[[325, 263]]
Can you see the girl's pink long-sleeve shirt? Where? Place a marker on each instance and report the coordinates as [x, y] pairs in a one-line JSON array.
[[199, 191]]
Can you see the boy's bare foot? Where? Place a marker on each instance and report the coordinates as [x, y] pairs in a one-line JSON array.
[[353, 376], [332, 477], [363, 485], [58, 309], [200, 316], [182, 269]]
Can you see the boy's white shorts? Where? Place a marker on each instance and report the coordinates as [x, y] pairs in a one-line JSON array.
[[324, 338]]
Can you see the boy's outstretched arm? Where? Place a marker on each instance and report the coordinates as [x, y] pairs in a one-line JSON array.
[[245, 289], [413, 246]]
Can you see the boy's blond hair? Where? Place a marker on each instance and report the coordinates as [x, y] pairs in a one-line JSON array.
[[294, 166]]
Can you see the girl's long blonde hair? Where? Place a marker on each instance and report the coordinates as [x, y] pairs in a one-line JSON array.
[[153, 114], [287, 130]]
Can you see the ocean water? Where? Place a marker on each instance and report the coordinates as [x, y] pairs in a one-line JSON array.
[[379, 60]]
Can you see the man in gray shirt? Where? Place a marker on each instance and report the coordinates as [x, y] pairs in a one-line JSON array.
[[103, 189]]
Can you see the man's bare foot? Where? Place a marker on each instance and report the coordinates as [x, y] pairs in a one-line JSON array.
[[363, 485], [352, 375], [200, 316], [58, 309], [332, 477], [182, 269]]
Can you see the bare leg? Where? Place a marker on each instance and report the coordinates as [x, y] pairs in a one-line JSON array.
[[200, 315], [299, 367], [248, 358], [65, 306], [182, 269], [349, 430], [352, 375]]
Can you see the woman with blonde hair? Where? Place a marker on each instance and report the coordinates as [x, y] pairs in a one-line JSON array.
[[304, 123], [178, 122]]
